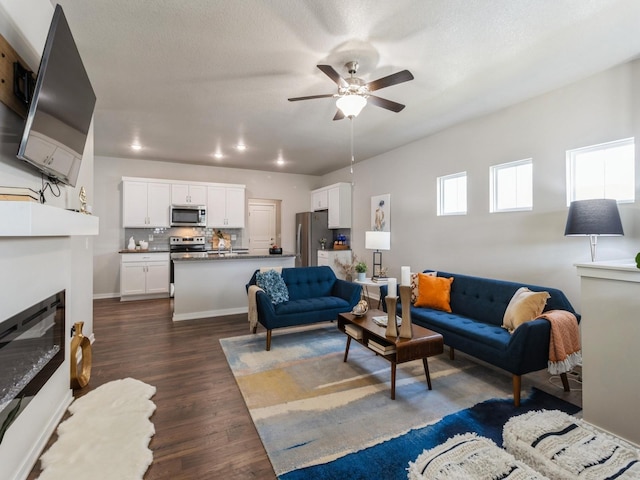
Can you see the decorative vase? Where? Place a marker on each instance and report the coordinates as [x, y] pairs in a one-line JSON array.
[[80, 376], [392, 327], [405, 298], [362, 276]]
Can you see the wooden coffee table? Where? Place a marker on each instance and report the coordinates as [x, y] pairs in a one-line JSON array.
[[424, 343]]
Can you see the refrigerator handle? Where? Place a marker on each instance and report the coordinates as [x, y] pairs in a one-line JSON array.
[[298, 242]]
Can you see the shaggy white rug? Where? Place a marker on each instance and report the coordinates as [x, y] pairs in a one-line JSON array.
[[106, 437]]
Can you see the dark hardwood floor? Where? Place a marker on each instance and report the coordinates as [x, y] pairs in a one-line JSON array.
[[203, 427]]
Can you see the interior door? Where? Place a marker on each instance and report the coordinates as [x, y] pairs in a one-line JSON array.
[[262, 227]]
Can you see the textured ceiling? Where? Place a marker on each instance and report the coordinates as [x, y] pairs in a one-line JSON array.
[[186, 78]]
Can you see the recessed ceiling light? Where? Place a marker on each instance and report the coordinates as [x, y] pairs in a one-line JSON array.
[[218, 155], [280, 161], [241, 147], [136, 146]]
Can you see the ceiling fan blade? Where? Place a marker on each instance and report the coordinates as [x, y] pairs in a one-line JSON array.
[[384, 103], [326, 95], [330, 72], [339, 115], [393, 79]]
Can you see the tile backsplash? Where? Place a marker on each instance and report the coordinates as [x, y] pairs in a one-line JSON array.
[[158, 238]]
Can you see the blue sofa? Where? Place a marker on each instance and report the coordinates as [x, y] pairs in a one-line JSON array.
[[475, 325], [315, 295]]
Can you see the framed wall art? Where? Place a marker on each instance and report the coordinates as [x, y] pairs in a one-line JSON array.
[[381, 213]]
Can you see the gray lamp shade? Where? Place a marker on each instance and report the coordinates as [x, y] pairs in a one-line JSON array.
[[594, 217]]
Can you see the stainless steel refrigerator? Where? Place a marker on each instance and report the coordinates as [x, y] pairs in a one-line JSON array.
[[310, 228]]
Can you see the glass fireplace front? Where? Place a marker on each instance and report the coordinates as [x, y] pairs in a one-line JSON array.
[[31, 349]]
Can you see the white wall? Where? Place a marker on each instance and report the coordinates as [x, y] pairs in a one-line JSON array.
[[293, 190], [521, 246], [37, 267]]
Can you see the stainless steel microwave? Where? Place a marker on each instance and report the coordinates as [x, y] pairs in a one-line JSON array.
[[188, 216]]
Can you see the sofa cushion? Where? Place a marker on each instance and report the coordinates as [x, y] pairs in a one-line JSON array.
[[434, 292], [310, 305], [272, 283], [444, 322], [525, 305]]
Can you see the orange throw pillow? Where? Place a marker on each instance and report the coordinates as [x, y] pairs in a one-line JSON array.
[[434, 292]]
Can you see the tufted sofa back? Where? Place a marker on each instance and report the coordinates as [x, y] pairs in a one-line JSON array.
[[486, 299], [309, 282], [306, 282]]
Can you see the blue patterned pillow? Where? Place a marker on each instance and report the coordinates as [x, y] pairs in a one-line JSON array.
[[273, 284]]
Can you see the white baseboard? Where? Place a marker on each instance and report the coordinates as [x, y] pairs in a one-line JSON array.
[[100, 296]]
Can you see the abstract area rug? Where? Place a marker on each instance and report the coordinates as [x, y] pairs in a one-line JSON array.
[[107, 435], [321, 418]]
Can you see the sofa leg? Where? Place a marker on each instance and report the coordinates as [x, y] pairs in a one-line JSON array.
[[565, 382], [452, 353], [255, 329], [268, 340], [517, 380]]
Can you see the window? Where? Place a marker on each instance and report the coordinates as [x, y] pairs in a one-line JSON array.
[[512, 186], [452, 194], [602, 171]]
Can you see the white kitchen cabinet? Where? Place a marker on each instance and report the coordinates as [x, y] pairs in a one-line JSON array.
[[319, 199], [225, 207], [186, 194], [145, 204], [144, 275], [328, 258], [336, 199], [340, 206]]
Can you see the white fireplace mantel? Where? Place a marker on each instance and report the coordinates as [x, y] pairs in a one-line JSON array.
[[30, 219]]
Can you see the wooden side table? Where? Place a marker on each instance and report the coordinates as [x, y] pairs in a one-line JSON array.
[[424, 343]]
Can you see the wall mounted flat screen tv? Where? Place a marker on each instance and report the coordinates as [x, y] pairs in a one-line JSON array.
[[60, 109]]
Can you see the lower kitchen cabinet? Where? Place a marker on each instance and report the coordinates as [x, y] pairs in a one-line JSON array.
[[144, 275]]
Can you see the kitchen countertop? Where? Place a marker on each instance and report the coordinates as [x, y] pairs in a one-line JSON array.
[[148, 250], [209, 256]]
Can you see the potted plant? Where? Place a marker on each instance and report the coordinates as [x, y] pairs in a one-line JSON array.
[[361, 269]]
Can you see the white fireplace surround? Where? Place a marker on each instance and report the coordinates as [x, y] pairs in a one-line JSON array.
[[43, 249]]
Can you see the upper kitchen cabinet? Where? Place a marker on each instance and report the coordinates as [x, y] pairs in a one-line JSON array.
[[319, 199], [336, 199], [187, 194], [225, 206], [145, 204]]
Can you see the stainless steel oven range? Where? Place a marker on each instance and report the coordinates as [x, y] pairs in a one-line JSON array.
[[181, 247]]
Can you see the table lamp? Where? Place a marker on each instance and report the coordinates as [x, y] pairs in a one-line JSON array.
[[594, 218], [377, 241]]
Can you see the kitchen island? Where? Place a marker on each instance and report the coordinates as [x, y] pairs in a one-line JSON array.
[[212, 285]]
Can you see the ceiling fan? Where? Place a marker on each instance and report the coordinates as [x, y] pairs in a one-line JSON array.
[[353, 92]]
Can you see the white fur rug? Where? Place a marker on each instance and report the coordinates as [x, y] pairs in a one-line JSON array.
[[106, 437]]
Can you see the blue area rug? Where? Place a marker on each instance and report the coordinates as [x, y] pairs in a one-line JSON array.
[[321, 418], [389, 460]]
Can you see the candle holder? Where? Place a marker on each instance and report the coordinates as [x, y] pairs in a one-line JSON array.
[[405, 298], [392, 326]]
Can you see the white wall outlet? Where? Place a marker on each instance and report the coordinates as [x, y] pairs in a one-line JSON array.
[[234, 237], [151, 237]]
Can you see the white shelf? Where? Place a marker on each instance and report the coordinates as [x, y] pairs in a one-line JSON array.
[[30, 219]]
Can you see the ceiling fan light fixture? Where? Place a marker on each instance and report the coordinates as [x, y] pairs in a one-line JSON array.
[[351, 105]]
